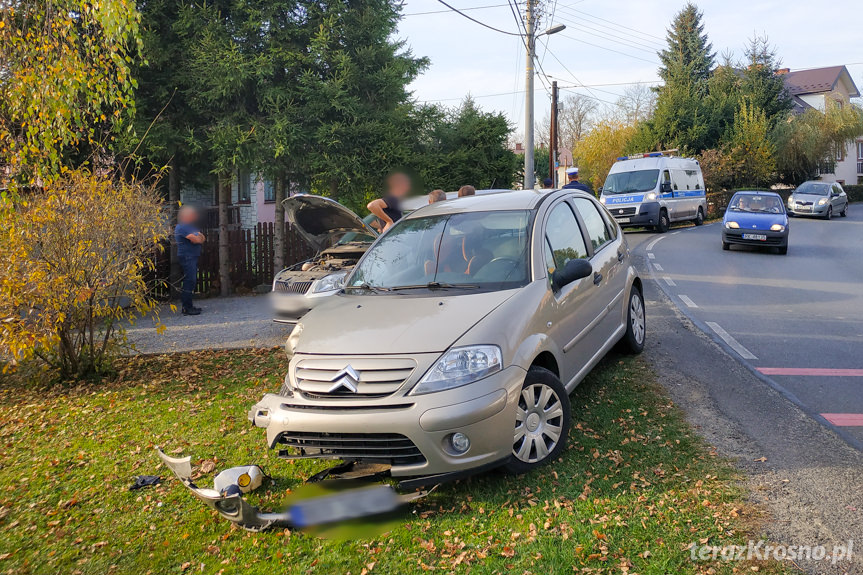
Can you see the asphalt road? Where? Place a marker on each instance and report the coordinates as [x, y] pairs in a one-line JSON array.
[[717, 320], [797, 320]]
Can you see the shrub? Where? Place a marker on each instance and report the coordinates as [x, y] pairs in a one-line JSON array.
[[73, 258]]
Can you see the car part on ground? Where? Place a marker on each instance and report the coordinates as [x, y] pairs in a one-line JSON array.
[[365, 501]]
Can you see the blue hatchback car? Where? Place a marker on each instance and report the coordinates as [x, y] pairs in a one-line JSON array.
[[756, 219]]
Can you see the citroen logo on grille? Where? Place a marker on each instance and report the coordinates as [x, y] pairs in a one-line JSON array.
[[346, 379]]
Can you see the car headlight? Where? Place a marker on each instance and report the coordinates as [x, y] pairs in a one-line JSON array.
[[293, 340], [790, 200], [460, 366], [331, 282], [602, 200], [731, 225], [822, 201], [777, 228], [650, 196], [287, 389]]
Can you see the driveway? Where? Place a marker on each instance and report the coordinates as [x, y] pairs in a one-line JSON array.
[[232, 322]]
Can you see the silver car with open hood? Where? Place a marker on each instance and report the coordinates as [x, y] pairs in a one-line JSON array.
[[338, 236]]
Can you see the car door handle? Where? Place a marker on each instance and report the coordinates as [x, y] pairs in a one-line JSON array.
[[620, 256], [597, 278]]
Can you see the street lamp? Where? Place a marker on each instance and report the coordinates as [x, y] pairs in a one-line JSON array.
[[528, 101]]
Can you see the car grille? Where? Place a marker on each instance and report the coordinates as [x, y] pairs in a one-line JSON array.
[[316, 377], [391, 448], [293, 287], [622, 212]]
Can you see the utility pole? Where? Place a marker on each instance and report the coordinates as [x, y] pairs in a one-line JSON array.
[[530, 45], [552, 140]]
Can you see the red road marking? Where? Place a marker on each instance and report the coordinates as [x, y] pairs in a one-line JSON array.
[[844, 419], [816, 371]]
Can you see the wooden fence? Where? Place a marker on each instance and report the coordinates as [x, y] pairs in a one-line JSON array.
[[251, 253]]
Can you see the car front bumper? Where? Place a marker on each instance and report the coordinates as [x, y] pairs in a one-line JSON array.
[[646, 214], [411, 433], [774, 239], [813, 210]]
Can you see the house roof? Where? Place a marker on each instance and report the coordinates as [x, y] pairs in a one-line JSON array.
[[818, 80]]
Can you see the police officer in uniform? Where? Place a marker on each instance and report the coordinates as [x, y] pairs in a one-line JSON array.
[[574, 184]]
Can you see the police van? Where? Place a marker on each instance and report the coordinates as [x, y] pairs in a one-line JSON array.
[[654, 190]]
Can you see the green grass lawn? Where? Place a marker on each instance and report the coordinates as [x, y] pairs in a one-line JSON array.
[[633, 491]]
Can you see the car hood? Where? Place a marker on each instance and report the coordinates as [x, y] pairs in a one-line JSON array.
[[323, 222], [394, 324], [807, 197], [750, 221]]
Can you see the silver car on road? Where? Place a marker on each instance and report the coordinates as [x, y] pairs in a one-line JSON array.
[[822, 199], [458, 337]]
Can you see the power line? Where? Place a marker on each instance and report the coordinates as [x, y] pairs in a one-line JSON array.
[[472, 19], [610, 36], [569, 87], [613, 23], [447, 11], [610, 49]]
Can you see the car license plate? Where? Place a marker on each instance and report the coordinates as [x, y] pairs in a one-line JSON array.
[[343, 506], [622, 220], [760, 237], [804, 208]]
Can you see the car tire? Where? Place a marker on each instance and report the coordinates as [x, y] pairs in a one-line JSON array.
[[844, 212], [783, 250], [663, 224], [829, 215], [699, 219], [636, 325], [726, 246], [544, 406]]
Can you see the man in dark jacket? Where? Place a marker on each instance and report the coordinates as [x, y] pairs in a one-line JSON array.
[[574, 184], [189, 240]]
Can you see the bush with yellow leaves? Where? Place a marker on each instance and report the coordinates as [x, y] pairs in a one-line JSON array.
[[73, 260]]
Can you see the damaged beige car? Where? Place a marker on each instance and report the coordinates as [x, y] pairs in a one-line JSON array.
[[458, 337]]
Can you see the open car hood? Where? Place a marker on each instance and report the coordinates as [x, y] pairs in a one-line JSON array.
[[323, 222]]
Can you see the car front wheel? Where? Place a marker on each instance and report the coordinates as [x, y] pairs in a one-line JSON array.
[[542, 421]]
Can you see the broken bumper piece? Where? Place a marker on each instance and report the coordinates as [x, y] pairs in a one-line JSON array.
[[340, 506]]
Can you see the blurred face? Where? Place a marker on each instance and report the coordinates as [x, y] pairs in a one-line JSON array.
[[187, 215], [398, 185]]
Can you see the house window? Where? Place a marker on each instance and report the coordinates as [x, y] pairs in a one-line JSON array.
[[244, 187], [840, 152], [269, 191], [860, 150]]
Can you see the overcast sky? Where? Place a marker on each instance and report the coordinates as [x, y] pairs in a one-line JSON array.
[[608, 43]]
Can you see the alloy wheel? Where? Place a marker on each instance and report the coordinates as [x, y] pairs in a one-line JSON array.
[[538, 423], [636, 314]]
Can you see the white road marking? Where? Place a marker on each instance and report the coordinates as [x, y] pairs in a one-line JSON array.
[[654, 242], [732, 343], [675, 233], [687, 301], [658, 267], [671, 283], [651, 255]]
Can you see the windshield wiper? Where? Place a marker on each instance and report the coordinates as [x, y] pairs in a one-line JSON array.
[[366, 287], [435, 285]]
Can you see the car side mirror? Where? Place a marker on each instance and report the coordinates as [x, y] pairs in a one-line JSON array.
[[572, 271], [665, 187]]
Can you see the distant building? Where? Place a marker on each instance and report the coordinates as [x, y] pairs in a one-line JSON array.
[[814, 88]]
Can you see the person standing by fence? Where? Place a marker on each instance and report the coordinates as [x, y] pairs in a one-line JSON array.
[[189, 240]]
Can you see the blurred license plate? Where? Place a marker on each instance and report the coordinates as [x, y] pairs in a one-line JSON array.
[[804, 208], [622, 220], [343, 506], [760, 237]]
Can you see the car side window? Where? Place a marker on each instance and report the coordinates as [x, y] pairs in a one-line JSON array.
[[564, 237], [596, 228]]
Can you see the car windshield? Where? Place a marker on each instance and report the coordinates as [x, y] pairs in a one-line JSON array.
[[813, 189], [476, 251], [755, 204], [629, 182], [357, 236]]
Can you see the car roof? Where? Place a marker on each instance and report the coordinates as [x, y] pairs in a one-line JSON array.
[[757, 193], [490, 201]]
